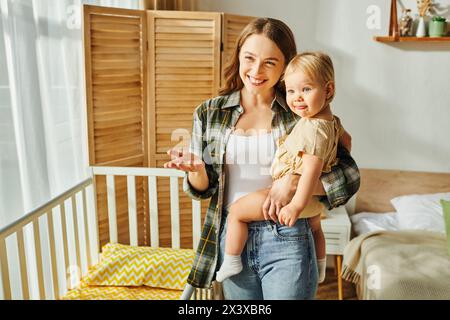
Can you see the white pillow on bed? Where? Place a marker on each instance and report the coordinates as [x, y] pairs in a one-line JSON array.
[[365, 222], [420, 212]]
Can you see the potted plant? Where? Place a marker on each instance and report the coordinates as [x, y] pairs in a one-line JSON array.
[[437, 26]]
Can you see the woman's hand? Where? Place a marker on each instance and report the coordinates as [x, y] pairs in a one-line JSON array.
[[282, 192], [280, 195], [184, 161], [346, 141], [288, 215]]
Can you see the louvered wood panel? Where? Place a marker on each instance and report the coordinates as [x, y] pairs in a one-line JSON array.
[[232, 25], [184, 70], [115, 43]]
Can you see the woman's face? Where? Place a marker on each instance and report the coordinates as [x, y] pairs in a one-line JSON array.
[[261, 64]]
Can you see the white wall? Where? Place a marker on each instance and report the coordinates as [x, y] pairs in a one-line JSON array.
[[393, 99]]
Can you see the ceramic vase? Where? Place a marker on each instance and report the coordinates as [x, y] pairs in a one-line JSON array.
[[421, 29]]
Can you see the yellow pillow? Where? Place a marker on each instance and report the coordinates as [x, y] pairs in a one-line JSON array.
[[123, 265]]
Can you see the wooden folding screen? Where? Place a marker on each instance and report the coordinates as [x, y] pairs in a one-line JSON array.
[[115, 43], [146, 71], [184, 70]]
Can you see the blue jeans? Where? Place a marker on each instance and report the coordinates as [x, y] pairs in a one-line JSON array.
[[278, 263]]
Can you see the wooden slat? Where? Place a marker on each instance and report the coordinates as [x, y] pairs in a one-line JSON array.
[[23, 265], [132, 213], [154, 223], [185, 50], [51, 237], [172, 30], [175, 212], [65, 243], [185, 43], [86, 228], [105, 49], [113, 131], [38, 255], [182, 64], [115, 35], [184, 57], [184, 36], [129, 144], [112, 214], [107, 26], [182, 91], [5, 270], [183, 23], [76, 233], [112, 43], [114, 19]]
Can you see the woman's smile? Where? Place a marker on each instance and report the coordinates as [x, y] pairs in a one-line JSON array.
[[256, 81]]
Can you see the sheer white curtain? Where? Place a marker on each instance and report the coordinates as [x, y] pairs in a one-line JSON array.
[[43, 141], [42, 129]]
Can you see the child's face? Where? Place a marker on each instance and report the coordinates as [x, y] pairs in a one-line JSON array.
[[304, 96]]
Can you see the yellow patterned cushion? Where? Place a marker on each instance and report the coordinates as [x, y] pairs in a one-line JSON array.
[[85, 292], [123, 265]]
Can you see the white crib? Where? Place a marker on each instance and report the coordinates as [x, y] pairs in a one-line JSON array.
[[81, 249]]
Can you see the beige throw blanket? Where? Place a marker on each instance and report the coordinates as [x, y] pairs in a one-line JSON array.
[[398, 265]]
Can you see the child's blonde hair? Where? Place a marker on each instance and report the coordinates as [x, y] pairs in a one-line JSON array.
[[317, 66]]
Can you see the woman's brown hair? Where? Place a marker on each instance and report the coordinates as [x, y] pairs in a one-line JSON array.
[[273, 29]]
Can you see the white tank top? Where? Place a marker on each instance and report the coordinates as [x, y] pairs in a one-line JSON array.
[[247, 165]]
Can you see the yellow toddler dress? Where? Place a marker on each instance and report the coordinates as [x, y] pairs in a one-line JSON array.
[[312, 136]]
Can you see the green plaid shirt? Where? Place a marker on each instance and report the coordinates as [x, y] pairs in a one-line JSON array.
[[213, 122]]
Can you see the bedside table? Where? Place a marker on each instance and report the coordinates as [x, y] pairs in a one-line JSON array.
[[336, 228]]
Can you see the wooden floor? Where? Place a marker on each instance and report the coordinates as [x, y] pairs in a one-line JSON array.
[[328, 290]]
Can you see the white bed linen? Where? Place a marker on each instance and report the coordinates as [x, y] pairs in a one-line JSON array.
[[365, 222], [420, 212]]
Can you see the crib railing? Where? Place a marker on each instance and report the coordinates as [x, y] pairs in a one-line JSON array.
[[33, 219], [91, 239], [152, 174]]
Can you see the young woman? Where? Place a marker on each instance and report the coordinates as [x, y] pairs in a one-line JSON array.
[[279, 262]]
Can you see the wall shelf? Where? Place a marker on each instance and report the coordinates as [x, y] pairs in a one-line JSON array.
[[394, 34], [411, 39]]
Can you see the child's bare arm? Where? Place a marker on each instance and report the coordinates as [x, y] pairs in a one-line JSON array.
[[346, 141], [312, 169]]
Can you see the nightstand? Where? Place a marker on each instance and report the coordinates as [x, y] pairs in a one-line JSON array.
[[336, 228]]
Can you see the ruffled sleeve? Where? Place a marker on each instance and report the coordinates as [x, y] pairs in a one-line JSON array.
[[310, 137]]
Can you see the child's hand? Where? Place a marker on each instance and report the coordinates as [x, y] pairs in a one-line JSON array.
[[288, 215]]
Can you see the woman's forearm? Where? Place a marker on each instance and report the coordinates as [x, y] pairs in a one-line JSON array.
[[199, 180]]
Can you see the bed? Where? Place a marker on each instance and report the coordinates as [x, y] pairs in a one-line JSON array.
[[53, 252], [399, 250]]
